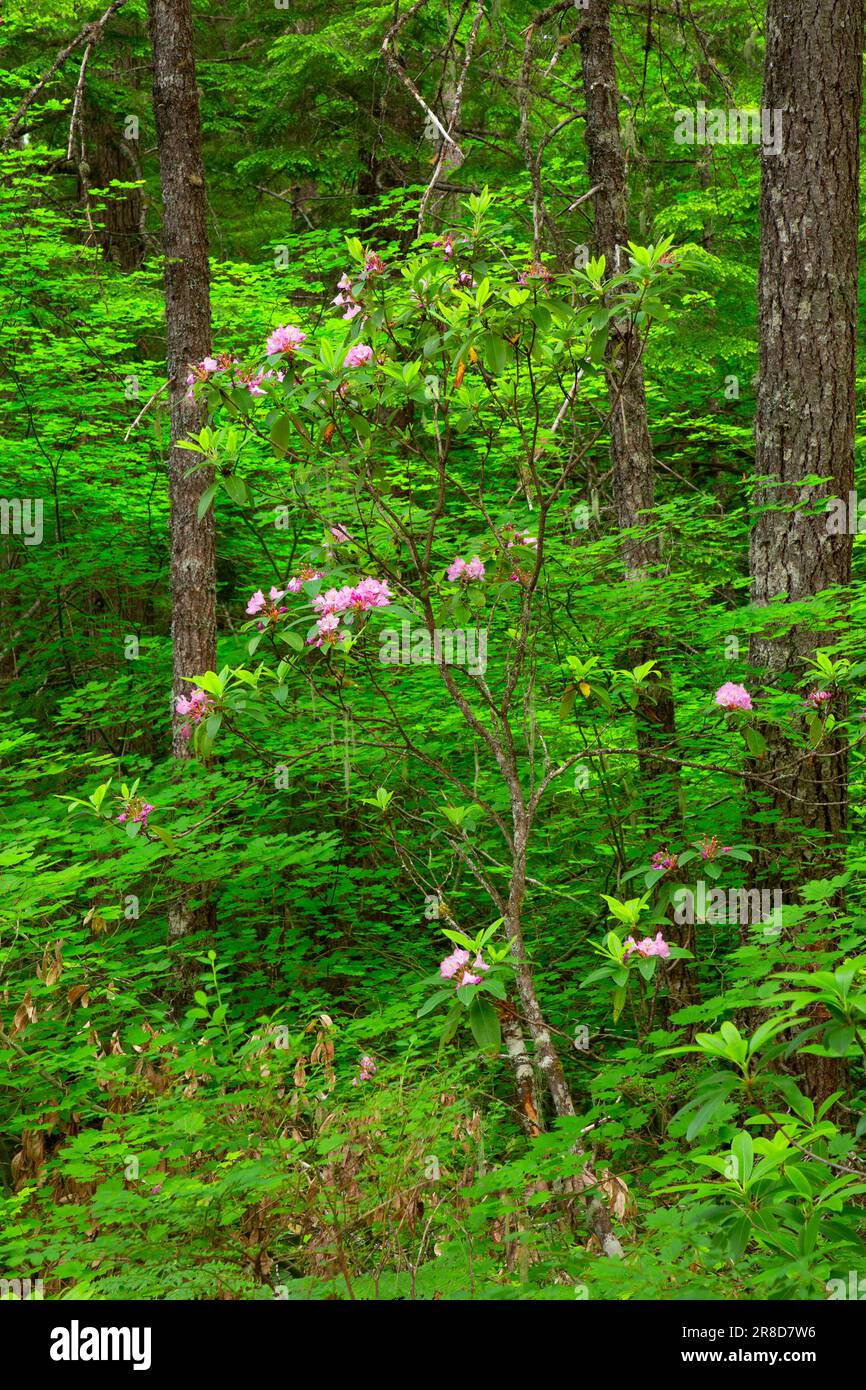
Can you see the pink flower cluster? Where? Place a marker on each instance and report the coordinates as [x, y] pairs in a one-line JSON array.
[[259, 604], [137, 811], [245, 377], [445, 244], [456, 967], [647, 947], [535, 271], [194, 709], [816, 698], [465, 570], [285, 338], [367, 1072], [304, 576], [357, 355], [344, 297], [359, 598], [663, 859], [202, 371], [731, 696], [253, 380], [710, 847], [513, 537]]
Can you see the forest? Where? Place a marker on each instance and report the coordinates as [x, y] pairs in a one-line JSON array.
[[433, 694]]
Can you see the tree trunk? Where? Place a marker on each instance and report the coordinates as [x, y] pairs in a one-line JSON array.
[[188, 340], [807, 304], [112, 156], [631, 446], [546, 1056]]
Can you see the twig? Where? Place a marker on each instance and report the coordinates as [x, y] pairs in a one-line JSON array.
[[397, 68], [91, 33], [453, 114], [144, 409]]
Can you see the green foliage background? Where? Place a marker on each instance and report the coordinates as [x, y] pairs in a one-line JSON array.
[[150, 1150]]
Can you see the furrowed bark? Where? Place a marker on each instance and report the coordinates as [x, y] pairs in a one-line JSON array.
[[188, 340], [807, 304], [630, 443]]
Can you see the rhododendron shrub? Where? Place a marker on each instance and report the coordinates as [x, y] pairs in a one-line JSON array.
[[475, 969], [439, 381]]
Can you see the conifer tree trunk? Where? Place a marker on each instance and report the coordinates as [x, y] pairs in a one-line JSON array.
[[807, 303], [631, 446], [188, 340]]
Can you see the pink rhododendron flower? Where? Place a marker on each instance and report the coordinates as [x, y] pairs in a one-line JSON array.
[[456, 967], [710, 847], [367, 1072], [137, 811], [648, 947], [194, 709], [359, 598], [340, 535], [534, 271], [358, 355], [816, 698], [465, 570], [333, 600], [445, 244], [451, 964], [200, 372], [731, 696], [373, 263], [663, 859], [305, 574], [285, 338], [518, 538], [370, 593], [252, 381], [267, 606], [345, 298]]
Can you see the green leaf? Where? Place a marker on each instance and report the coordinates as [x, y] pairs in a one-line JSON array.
[[434, 1001], [755, 742], [743, 1149], [494, 351], [206, 498], [235, 488], [484, 1022]]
